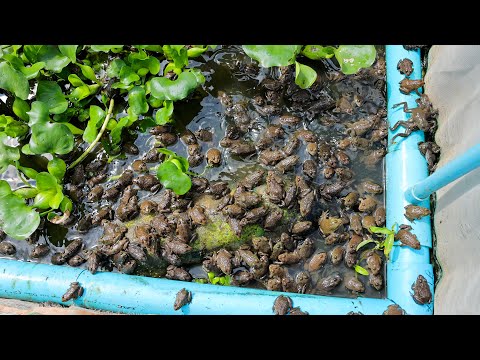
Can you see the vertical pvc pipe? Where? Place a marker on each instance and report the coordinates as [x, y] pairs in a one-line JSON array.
[[463, 164], [405, 166]]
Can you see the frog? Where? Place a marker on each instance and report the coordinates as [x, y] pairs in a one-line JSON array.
[[290, 195], [112, 193], [104, 213], [309, 168], [137, 252], [336, 255], [76, 260], [56, 259], [274, 189], [317, 261], [289, 120], [306, 203], [182, 229], [73, 292], [380, 216], [148, 182], [368, 221], [297, 311], [301, 227], [110, 250], [370, 187], [260, 268], [360, 127], [329, 283], [330, 190], [248, 257], [95, 194], [414, 212], [405, 67], [342, 157], [303, 282], [372, 157], [39, 251], [94, 167], [378, 134], [241, 278], [139, 166], [291, 146], [419, 119], [188, 137], [78, 175], [303, 188], [367, 204], [329, 224], [287, 164], [112, 232], [7, 248], [407, 238], [354, 285], [214, 157], [254, 216], [289, 257], [204, 135], [130, 148], [233, 210], [217, 189], [72, 248], [335, 238], [374, 262], [160, 129], [128, 267], [394, 310], [94, 258], [277, 249], [166, 139], [352, 244], [312, 149], [271, 157], [151, 156], [376, 281], [148, 207], [224, 99], [350, 200], [305, 135], [199, 184], [142, 234], [125, 179], [344, 174], [182, 298], [306, 248], [269, 135], [178, 273], [128, 208], [197, 215], [408, 85], [343, 105], [421, 291], [282, 305], [247, 199]]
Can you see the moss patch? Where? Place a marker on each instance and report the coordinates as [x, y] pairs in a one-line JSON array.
[[218, 234]]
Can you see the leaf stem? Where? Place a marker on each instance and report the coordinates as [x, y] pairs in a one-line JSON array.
[[97, 139], [23, 179]]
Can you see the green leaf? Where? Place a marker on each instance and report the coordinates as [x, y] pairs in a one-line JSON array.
[[164, 115], [8, 154], [29, 172], [57, 168], [80, 93], [166, 89], [54, 60], [66, 204], [215, 280], [363, 243], [210, 275], [128, 76], [116, 133], [12, 127], [107, 48], [20, 108], [137, 100], [196, 51], [54, 138], [49, 192], [380, 230], [173, 178], [97, 115], [113, 69], [360, 270], [177, 53], [31, 72], [354, 57], [50, 93], [317, 52], [388, 245], [272, 55], [305, 76], [16, 218], [75, 80], [14, 81], [38, 113], [69, 51], [26, 192], [88, 72]]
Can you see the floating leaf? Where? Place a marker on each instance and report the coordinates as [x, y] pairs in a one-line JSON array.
[[166, 89], [49, 192], [8, 154], [14, 81], [107, 48], [272, 55], [305, 76], [354, 57], [128, 76], [173, 178], [16, 218], [12, 127], [54, 60], [360, 270], [50, 93], [164, 115], [177, 53], [113, 69], [20, 108], [57, 168], [88, 72], [69, 51], [137, 100], [317, 52], [96, 119]]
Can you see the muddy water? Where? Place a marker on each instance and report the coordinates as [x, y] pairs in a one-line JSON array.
[[227, 69]]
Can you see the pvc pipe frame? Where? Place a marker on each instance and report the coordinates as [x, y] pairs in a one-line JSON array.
[[143, 295]]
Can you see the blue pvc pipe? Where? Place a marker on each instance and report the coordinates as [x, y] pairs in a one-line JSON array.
[[468, 161], [143, 295], [405, 166]]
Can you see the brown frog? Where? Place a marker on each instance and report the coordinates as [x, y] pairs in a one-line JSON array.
[[274, 188], [197, 215], [148, 182], [330, 190], [336, 255], [413, 212], [291, 146], [239, 147], [148, 207], [204, 135], [329, 283], [289, 120], [368, 221], [317, 261], [329, 224], [407, 238], [218, 189], [130, 148], [421, 291], [394, 310], [137, 252], [57, 259], [112, 232], [287, 164], [199, 184], [372, 157], [77, 260], [103, 214], [374, 262], [39, 251], [405, 67], [408, 85], [309, 168], [306, 204], [297, 311], [370, 187], [378, 134], [95, 194], [355, 285], [282, 305], [247, 200], [356, 223], [312, 149], [301, 227], [380, 216], [335, 238], [178, 273], [360, 127], [367, 204], [233, 210], [342, 158], [182, 298], [290, 195], [302, 281], [188, 138], [419, 119], [128, 208], [376, 281], [7, 248], [93, 261], [351, 199], [254, 216], [430, 150], [140, 166], [74, 292], [72, 248], [214, 157], [344, 174], [261, 244], [305, 135], [242, 278], [166, 139], [273, 219], [151, 156], [253, 179], [271, 157]]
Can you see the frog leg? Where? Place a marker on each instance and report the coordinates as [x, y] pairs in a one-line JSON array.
[[404, 123], [405, 107], [405, 134]]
